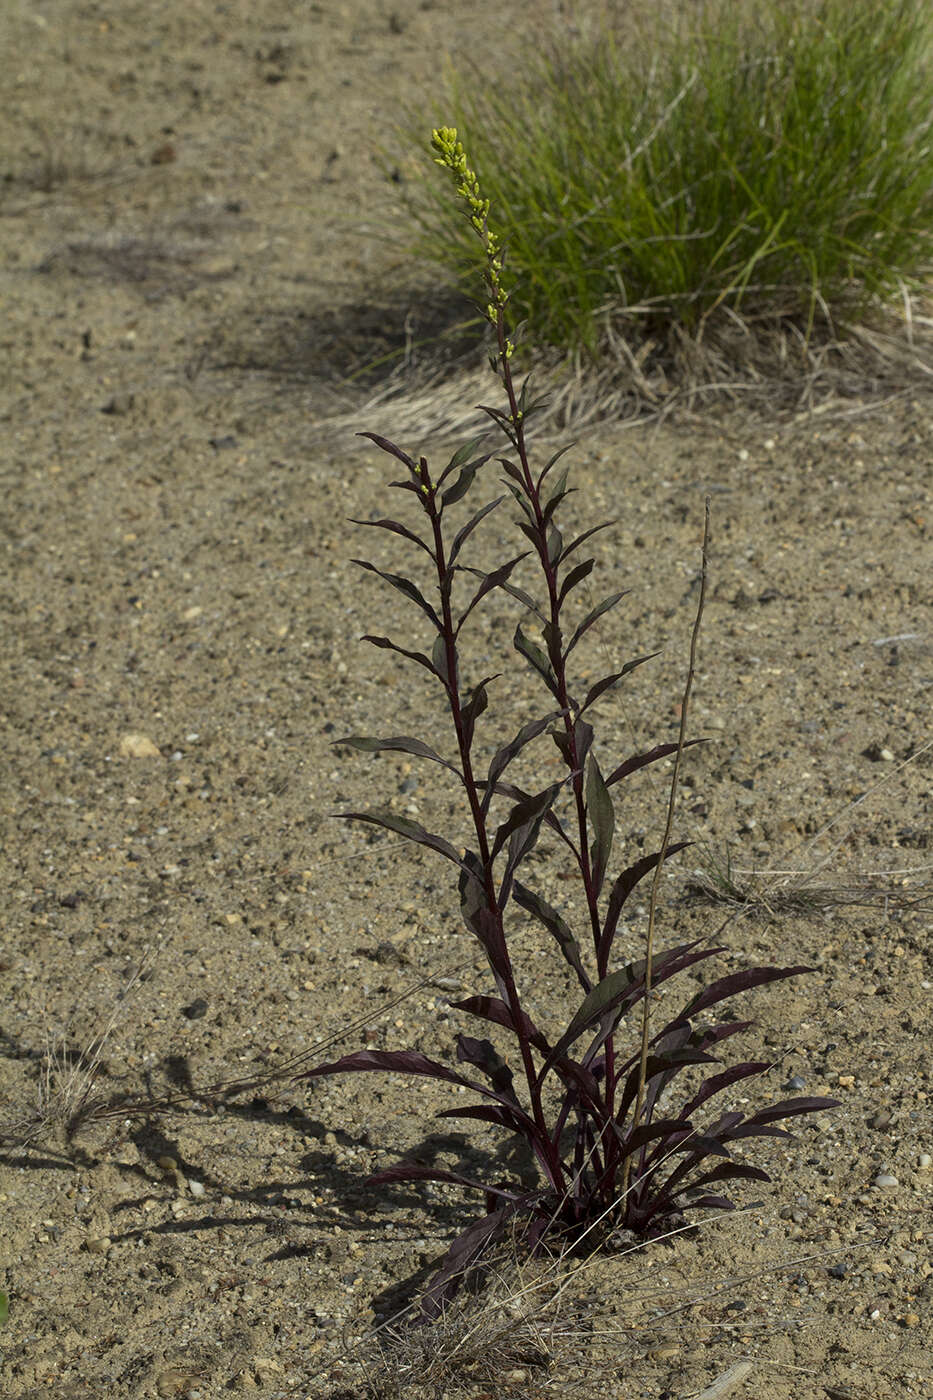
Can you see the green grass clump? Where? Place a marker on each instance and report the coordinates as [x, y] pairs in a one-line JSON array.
[[766, 161]]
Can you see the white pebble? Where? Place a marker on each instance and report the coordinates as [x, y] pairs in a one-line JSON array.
[[196, 1188], [887, 756], [885, 1179], [924, 1162]]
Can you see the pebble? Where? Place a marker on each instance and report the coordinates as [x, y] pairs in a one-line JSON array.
[[886, 756], [138, 746], [886, 1180], [196, 1188], [98, 1244], [924, 1162], [797, 1082]]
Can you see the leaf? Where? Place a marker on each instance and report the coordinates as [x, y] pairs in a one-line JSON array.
[[601, 816], [462, 456], [608, 682], [439, 658], [464, 481], [495, 1010], [533, 654], [391, 448], [490, 581], [463, 1255], [552, 462], [385, 644], [412, 831], [790, 1108], [401, 744], [605, 606], [413, 1062], [504, 756], [621, 889], [485, 1057], [477, 704], [560, 493], [576, 575], [398, 529], [620, 990], [641, 760], [462, 535], [404, 585], [724, 1080], [574, 746], [548, 916], [555, 543], [4, 1308], [524, 821], [725, 987], [587, 534], [480, 919]]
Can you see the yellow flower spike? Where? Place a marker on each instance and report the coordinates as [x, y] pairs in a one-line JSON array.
[[452, 156]]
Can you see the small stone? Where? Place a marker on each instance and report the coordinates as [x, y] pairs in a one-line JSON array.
[[665, 1352], [138, 746], [924, 1162], [196, 1010], [886, 1181], [880, 1121], [911, 1320], [838, 1270], [517, 1377], [797, 1082], [168, 1164], [174, 1382], [97, 1244], [886, 756], [196, 1188]]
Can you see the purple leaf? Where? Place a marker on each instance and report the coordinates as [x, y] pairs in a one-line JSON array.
[[605, 606], [391, 448], [537, 659], [413, 831], [555, 925], [608, 682], [726, 987], [397, 529], [601, 816], [385, 644], [621, 889], [641, 760], [401, 744], [477, 704], [490, 581], [524, 822], [405, 586], [462, 535], [504, 756]]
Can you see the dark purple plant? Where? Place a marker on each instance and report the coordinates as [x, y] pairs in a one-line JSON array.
[[609, 1157]]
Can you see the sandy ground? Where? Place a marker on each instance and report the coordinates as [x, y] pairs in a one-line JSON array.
[[188, 201]]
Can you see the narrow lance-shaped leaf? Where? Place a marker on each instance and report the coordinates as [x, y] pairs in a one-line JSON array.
[[464, 481], [608, 682], [621, 889], [524, 838], [574, 745], [605, 606], [576, 576], [391, 448], [477, 704], [601, 816], [726, 987], [485, 1057], [405, 586], [464, 454], [504, 755], [552, 462], [641, 760], [533, 654], [463, 535], [386, 644], [398, 529], [439, 657], [412, 831], [548, 916], [581, 539], [400, 744], [494, 580], [525, 816], [481, 920]]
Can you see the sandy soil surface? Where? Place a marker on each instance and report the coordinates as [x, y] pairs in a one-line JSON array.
[[189, 196]]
